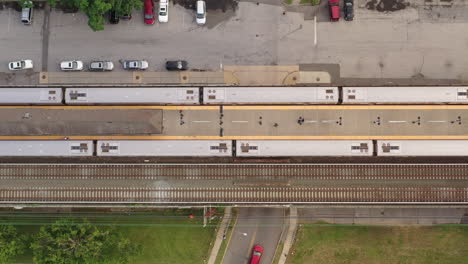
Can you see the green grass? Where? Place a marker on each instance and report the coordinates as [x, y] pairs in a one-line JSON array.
[[383, 245], [312, 2], [167, 236], [288, 1]]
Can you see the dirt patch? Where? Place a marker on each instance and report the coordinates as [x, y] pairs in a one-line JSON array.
[[222, 5], [386, 5]]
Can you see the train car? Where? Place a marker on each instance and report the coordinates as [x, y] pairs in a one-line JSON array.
[[197, 148], [290, 148], [46, 148], [270, 95], [122, 96], [42, 96], [422, 148], [405, 95]]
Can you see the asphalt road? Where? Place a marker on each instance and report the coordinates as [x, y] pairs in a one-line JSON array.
[[412, 42], [255, 226]]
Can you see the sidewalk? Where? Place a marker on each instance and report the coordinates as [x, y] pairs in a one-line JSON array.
[[290, 236], [220, 235]]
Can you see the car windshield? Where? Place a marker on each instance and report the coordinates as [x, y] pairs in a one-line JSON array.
[[256, 253], [200, 15], [162, 13], [148, 16]]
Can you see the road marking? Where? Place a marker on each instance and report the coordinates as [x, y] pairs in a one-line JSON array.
[[315, 30], [252, 241]]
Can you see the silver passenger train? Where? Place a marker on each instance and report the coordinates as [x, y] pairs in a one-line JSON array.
[[232, 148], [234, 95]]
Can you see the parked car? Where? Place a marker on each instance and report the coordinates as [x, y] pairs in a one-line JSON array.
[[101, 66], [113, 17], [126, 16], [334, 6], [163, 11], [135, 65], [178, 65], [26, 14], [201, 13], [71, 65], [149, 12], [257, 253], [348, 10], [20, 65]]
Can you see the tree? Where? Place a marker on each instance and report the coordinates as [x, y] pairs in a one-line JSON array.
[[69, 242], [11, 244], [123, 7], [26, 3]]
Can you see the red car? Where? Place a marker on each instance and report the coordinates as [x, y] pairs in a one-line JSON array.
[[334, 6], [256, 254], [149, 12]]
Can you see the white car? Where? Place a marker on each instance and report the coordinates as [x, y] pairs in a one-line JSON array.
[[163, 14], [71, 65], [201, 13], [135, 64], [20, 65]]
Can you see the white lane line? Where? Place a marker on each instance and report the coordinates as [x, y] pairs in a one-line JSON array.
[[201, 121], [239, 121], [396, 121]]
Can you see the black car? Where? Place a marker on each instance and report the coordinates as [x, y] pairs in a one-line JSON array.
[[178, 65], [113, 17], [348, 10], [126, 16]]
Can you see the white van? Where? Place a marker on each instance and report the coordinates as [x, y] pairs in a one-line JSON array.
[[26, 15], [201, 12]]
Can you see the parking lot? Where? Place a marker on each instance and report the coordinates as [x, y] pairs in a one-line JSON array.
[[415, 42]]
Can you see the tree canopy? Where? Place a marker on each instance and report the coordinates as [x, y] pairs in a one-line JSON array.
[[11, 244], [69, 242], [97, 9]]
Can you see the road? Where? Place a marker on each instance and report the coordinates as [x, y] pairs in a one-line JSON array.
[[255, 226]]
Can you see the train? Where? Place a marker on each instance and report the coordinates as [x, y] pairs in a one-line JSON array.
[[232, 148], [218, 95]]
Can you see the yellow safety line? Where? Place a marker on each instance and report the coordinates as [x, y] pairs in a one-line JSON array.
[[343, 107], [126, 107], [123, 137]]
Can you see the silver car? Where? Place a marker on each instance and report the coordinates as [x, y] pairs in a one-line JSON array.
[[101, 66], [135, 64]]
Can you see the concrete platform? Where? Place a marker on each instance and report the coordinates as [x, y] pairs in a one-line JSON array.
[[237, 122], [74, 122]]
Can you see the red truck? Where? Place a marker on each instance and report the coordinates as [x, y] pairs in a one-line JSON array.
[[334, 6]]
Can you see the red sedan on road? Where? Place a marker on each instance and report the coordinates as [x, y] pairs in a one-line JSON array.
[[256, 254], [149, 12]]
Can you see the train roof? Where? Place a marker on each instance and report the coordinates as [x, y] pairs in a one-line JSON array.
[[202, 148], [252, 95], [149, 95], [46, 148], [422, 148], [441, 94], [304, 148], [31, 96]]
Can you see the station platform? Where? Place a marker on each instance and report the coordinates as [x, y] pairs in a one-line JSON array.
[[234, 122]]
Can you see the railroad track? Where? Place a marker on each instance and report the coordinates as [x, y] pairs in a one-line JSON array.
[[228, 171], [237, 195], [233, 183]]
